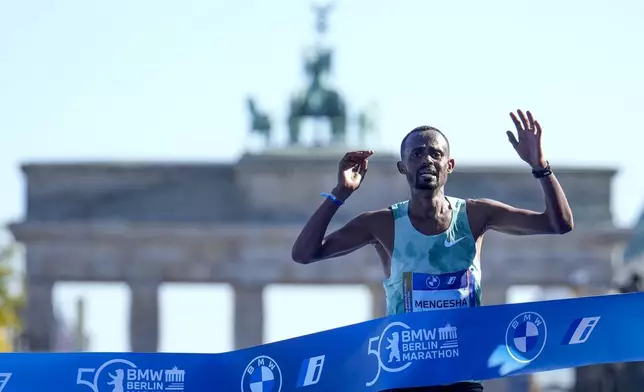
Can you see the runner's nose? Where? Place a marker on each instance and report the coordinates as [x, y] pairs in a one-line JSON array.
[[427, 159]]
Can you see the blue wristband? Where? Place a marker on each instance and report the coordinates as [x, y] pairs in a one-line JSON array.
[[334, 199]]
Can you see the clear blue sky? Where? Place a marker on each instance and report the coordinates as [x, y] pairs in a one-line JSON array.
[[166, 80]]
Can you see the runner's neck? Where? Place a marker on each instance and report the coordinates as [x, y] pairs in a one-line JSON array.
[[428, 205]]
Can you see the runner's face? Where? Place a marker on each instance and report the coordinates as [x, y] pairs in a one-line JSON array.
[[426, 160]]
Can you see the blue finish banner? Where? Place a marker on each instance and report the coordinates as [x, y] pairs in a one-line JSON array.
[[416, 349]]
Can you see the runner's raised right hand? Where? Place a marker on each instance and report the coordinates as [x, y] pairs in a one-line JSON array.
[[351, 170]]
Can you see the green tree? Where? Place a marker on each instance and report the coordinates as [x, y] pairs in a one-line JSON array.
[[10, 303]]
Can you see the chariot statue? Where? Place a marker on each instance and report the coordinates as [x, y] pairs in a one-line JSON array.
[[318, 100]]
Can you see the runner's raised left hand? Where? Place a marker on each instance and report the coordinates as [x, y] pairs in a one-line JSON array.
[[528, 145]]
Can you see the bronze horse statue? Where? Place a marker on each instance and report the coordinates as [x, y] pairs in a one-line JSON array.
[[260, 122], [318, 101]]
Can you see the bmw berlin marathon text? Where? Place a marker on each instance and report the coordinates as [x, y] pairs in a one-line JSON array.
[[121, 375], [398, 346]]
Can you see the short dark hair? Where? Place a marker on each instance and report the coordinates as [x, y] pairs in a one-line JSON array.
[[421, 129]]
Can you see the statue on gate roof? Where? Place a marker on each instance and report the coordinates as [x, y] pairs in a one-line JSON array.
[[318, 100]]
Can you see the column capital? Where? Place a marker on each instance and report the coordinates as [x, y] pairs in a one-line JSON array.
[[247, 286], [144, 282]]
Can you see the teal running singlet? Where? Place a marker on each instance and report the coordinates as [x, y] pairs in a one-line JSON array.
[[433, 272]]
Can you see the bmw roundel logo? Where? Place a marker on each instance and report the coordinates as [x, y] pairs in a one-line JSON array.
[[433, 281], [262, 374], [526, 337]]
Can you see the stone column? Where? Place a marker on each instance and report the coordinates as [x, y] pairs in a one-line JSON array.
[[378, 301], [494, 294], [249, 315], [144, 316], [39, 315]]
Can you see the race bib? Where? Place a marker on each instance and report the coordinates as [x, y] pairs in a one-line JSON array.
[[425, 292]]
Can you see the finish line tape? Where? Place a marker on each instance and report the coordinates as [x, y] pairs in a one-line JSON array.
[[417, 349]]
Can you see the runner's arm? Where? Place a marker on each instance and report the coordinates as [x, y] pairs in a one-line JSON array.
[[311, 245], [556, 219]]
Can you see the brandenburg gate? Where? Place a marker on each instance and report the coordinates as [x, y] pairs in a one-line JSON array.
[[145, 224]]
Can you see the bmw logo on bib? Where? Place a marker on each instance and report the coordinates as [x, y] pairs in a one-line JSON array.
[[433, 281], [526, 337], [262, 375]]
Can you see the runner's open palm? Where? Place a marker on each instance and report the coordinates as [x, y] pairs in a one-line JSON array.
[[528, 145], [352, 169]]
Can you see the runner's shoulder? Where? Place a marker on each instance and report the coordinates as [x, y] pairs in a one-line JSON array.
[[483, 205], [479, 212], [479, 203], [377, 223], [375, 216]]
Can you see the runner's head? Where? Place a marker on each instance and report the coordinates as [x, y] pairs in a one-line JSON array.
[[425, 158]]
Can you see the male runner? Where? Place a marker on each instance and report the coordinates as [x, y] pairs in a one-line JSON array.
[[433, 236]]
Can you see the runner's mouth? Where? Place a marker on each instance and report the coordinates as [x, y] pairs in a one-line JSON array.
[[426, 175]]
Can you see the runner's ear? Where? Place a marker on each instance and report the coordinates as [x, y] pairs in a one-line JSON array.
[[451, 164], [401, 167]]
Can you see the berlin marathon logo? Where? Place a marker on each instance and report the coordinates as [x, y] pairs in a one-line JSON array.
[[398, 346], [121, 375]]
